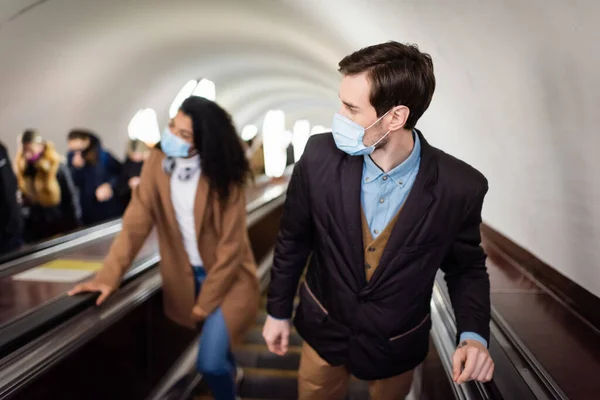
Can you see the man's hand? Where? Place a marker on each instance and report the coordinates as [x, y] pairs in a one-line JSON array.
[[104, 192], [478, 365], [134, 182], [277, 334]]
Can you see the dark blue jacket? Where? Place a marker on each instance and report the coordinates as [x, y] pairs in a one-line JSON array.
[[91, 176]]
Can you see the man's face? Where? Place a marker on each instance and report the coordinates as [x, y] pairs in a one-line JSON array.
[[77, 146], [354, 95]]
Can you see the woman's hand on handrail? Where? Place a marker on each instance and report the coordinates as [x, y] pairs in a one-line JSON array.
[[93, 286]]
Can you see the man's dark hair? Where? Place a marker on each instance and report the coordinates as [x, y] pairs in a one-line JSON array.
[[399, 74], [82, 134]]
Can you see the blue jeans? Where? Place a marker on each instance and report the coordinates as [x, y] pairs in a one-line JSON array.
[[215, 361]]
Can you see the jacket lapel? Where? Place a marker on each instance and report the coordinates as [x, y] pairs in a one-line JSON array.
[[417, 204], [351, 204]]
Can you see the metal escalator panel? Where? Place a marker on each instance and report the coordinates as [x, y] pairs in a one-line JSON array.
[[81, 234], [517, 374]]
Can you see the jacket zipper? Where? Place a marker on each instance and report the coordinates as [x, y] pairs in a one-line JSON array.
[[412, 330], [311, 294]]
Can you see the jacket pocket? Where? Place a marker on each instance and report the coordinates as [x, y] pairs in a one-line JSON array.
[[314, 299], [416, 337]]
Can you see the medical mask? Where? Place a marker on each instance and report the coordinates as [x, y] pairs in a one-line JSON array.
[[34, 158], [349, 135], [174, 146]]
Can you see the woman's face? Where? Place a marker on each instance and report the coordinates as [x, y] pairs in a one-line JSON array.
[[181, 126], [32, 151]]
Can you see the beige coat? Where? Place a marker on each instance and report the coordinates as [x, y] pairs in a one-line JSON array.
[[223, 242]]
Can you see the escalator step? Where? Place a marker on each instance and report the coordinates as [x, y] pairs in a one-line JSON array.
[[262, 383], [258, 356]]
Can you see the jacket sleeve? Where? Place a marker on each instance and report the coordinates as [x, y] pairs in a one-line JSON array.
[[466, 274], [122, 186], [293, 246], [10, 213], [69, 197], [138, 221], [229, 252], [113, 170]]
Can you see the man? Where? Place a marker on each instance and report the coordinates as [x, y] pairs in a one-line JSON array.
[[376, 211], [95, 172], [11, 225]]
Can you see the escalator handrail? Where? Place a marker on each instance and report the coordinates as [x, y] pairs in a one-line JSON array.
[[67, 313], [443, 333], [21, 259], [28, 249]]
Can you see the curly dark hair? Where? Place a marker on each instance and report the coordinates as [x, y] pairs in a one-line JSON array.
[[222, 157]]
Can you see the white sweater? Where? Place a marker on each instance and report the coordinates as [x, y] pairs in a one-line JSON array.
[[183, 196]]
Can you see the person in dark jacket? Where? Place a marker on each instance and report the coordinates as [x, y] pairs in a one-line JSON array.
[[95, 172], [137, 153], [49, 197], [376, 211], [11, 225]]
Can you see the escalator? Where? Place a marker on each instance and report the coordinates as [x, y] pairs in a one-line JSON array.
[[518, 376], [60, 346], [56, 346]]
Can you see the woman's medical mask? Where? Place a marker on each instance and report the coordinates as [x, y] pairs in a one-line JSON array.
[[174, 146], [349, 135]]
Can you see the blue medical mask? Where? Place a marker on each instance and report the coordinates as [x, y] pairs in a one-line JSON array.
[[174, 146], [349, 135]]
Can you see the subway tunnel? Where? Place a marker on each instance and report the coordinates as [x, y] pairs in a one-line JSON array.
[[516, 85]]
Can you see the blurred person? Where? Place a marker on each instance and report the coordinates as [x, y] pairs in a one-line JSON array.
[[48, 194], [137, 153], [375, 211], [192, 190], [95, 173], [11, 225]]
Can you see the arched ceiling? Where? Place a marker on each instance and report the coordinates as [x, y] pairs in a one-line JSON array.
[[97, 63]]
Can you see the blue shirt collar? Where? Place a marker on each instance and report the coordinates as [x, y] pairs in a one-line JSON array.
[[400, 173]]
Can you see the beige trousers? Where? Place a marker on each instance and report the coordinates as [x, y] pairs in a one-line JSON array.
[[317, 380]]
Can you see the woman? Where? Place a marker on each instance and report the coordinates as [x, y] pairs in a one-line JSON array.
[[137, 153], [49, 197], [192, 190], [95, 172]]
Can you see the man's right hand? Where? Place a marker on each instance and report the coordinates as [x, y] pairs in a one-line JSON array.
[[93, 286], [276, 333]]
